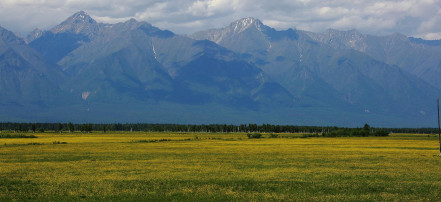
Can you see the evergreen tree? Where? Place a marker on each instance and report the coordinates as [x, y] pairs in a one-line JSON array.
[[59, 127], [70, 126], [34, 128], [367, 127]]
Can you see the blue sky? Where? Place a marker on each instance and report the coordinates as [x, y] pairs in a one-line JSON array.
[[420, 18]]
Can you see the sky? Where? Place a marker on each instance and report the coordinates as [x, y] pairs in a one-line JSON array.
[[418, 18]]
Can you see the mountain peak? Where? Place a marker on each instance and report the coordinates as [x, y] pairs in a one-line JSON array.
[[133, 23], [80, 17], [245, 23], [9, 36], [76, 23], [37, 33]]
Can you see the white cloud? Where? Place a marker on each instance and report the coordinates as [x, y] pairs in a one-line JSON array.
[[410, 17], [430, 36]]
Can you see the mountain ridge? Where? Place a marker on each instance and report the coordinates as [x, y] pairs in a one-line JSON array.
[[416, 56], [246, 72], [124, 57], [360, 84]]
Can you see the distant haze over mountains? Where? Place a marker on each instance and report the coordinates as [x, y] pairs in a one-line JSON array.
[[85, 71]]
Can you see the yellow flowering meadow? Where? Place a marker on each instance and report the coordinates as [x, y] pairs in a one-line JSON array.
[[225, 167]]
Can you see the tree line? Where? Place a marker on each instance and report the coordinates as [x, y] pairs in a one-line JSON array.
[[209, 128], [356, 132]]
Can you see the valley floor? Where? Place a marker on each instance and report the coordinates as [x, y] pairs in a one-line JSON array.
[[220, 167]]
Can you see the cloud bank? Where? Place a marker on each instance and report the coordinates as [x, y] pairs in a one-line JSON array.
[[421, 18]]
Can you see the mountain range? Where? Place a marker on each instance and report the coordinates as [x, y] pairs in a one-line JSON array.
[[85, 71]]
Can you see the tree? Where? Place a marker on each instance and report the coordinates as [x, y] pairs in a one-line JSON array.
[[34, 128], [86, 128], [60, 127], [366, 130], [70, 126], [366, 127], [19, 128]]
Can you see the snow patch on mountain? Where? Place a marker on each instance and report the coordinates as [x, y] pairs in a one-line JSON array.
[[245, 23], [79, 22]]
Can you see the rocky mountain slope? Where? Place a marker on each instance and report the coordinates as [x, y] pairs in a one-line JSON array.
[[421, 58], [85, 71], [345, 78]]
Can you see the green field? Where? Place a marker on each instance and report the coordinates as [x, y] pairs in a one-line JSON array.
[[226, 167]]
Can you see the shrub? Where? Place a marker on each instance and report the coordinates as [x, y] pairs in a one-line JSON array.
[[381, 133], [150, 141], [272, 135], [35, 143], [355, 133], [254, 135], [337, 133], [17, 136], [306, 135]]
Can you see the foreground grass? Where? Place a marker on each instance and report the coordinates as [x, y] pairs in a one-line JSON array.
[[189, 167]]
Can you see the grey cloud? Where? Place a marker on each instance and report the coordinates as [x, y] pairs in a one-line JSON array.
[[411, 17]]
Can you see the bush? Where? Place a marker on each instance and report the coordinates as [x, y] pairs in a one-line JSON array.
[[306, 135], [381, 133], [17, 136], [355, 133], [35, 143], [274, 135], [338, 133], [254, 135], [150, 141]]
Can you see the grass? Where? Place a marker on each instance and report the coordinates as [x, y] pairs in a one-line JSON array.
[[219, 167]]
